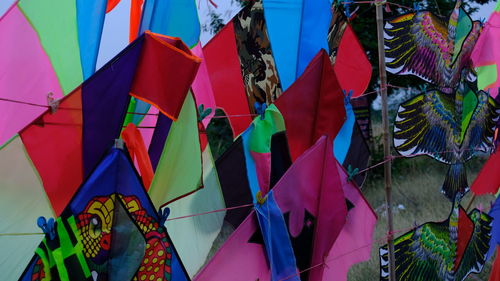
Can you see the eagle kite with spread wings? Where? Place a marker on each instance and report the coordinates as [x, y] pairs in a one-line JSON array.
[[448, 128], [422, 44], [436, 251]]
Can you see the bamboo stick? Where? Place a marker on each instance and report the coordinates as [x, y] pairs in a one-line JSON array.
[[386, 139]]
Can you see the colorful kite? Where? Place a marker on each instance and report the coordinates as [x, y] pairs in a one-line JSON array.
[[110, 229], [349, 60], [313, 106], [449, 129], [351, 244], [314, 208], [59, 149], [448, 250], [422, 44]]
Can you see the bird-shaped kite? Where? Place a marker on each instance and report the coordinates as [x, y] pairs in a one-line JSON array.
[[436, 251], [422, 44], [450, 129]]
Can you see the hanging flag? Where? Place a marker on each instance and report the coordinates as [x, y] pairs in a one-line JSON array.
[[202, 88], [350, 63], [67, 141], [23, 199], [313, 106], [279, 252], [164, 74], [495, 270], [258, 68], [311, 198], [241, 66], [488, 179], [179, 171], [137, 149], [175, 18], [20, 45], [298, 30], [257, 148], [486, 56], [242, 257], [238, 169], [353, 244], [194, 236], [495, 228]]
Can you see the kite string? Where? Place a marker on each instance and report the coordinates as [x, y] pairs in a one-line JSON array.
[[324, 263], [377, 2], [390, 158], [210, 212]]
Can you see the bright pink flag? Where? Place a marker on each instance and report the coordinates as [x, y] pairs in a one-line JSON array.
[[486, 54], [488, 179], [311, 198], [241, 258], [312, 187], [354, 242], [22, 59], [202, 88]]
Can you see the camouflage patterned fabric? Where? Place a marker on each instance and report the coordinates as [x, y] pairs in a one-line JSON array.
[[258, 68], [335, 32]]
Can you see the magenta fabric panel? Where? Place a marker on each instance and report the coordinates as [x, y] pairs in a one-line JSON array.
[[312, 186], [353, 244], [202, 87], [241, 258], [25, 74]]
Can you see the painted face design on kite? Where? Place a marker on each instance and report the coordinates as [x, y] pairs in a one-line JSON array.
[[95, 224]]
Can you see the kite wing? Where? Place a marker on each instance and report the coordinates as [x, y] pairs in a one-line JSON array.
[[481, 128], [417, 43], [421, 254], [474, 256], [425, 124]]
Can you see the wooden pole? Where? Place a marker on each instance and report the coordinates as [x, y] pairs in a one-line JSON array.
[[386, 139], [470, 203]]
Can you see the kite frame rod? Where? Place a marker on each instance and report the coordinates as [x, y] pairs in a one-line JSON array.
[[386, 140]]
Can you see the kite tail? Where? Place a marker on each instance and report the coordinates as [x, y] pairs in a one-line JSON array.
[[455, 181]]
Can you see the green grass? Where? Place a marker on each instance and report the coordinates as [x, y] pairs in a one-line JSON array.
[[416, 184]]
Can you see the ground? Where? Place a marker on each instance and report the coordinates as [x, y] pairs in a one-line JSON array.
[[416, 184]]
